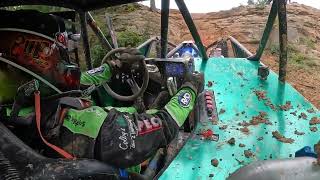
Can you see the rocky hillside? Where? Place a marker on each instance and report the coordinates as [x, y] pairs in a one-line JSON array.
[[245, 23]]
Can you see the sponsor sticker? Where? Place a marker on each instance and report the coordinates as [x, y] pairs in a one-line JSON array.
[[97, 70], [184, 99]]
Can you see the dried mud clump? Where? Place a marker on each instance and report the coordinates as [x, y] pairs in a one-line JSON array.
[[294, 113], [261, 95], [248, 153], [214, 162], [281, 138], [244, 124], [286, 107], [313, 129], [260, 119], [311, 110], [245, 130], [314, 121], [242, 145], [298, 133], [303, 116], [232, 141], [269, 104]]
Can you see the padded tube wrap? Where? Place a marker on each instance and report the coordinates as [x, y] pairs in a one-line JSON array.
[[293, 169]]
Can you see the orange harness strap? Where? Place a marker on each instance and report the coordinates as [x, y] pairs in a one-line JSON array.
[[38, 120]]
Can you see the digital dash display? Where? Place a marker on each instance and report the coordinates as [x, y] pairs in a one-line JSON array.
[[174, 69]]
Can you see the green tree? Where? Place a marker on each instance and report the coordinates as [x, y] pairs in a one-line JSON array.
[[125, 38], [129, 38]]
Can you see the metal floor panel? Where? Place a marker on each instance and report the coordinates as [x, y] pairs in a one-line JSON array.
[[234, 82]]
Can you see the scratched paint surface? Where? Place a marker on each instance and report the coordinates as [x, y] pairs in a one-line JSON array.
[[234, 82]]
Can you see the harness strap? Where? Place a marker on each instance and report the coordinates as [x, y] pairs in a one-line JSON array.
[[38, 121]]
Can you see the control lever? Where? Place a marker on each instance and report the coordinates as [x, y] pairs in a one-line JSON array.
[[172, 85], [23, 97], [138, 103]]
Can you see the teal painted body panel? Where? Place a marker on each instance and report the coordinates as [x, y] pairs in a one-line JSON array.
[[234, 83]]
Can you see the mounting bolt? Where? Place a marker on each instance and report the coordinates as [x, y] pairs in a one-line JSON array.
[[263, 72]]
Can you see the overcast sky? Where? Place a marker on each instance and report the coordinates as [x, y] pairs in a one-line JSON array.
[[202, 6]]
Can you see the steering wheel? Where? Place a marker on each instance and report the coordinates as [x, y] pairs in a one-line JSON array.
[[128, 77]]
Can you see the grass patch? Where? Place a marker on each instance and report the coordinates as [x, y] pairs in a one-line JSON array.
[[308, 42], [295, 57]]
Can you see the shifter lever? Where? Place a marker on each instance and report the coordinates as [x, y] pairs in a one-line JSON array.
[[138, 103], [172, 86]]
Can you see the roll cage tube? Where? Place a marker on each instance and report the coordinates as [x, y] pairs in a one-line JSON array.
[[85, 39], [31, 73], [165, 5], [192, 27], [278, 8], [147, 45]]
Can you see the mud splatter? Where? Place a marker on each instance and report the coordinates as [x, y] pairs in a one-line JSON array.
[[245, 130], [303, 116], [261, 95], [298, 133], [214, 162], [260, 119], [311, 110], [314, 121], [313, 129], [242, 145], [281, 138], [286, 107], [269, 104], [247, 153], [294, 113], [231, 141]]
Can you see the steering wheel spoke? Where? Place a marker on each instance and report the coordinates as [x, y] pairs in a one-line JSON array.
[[133, 85]]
